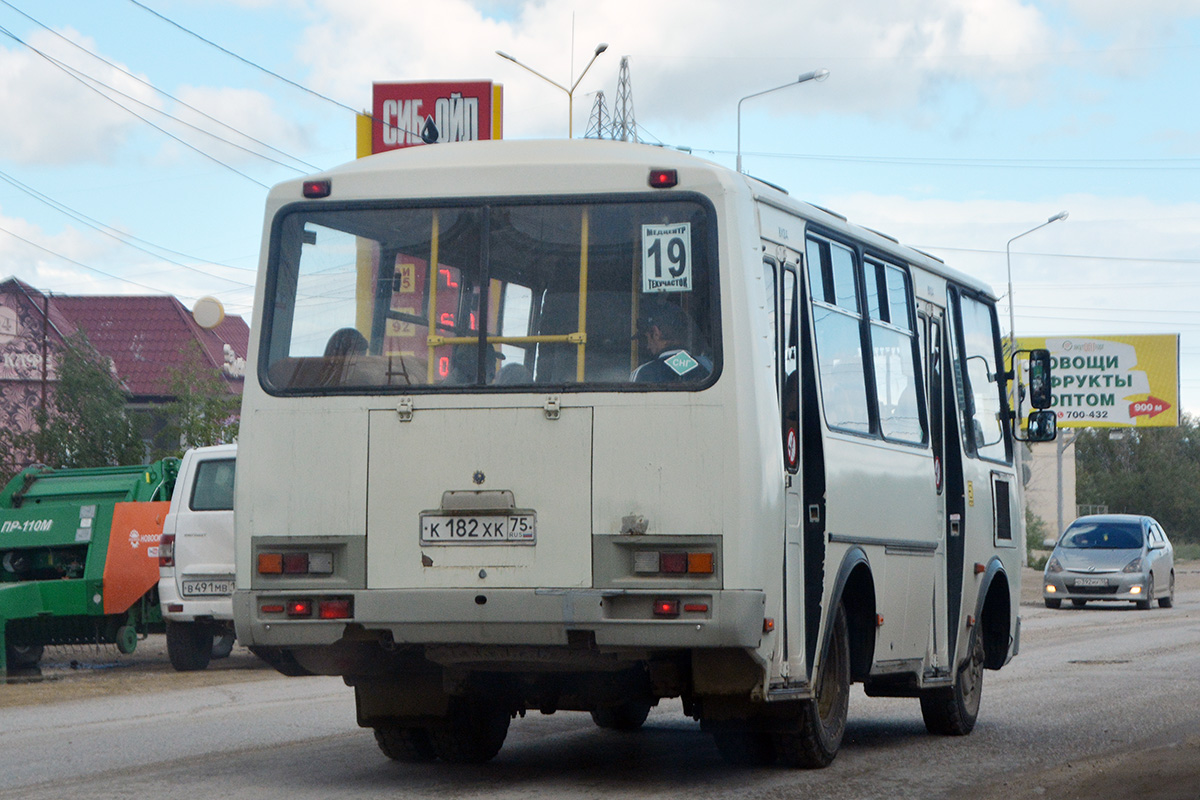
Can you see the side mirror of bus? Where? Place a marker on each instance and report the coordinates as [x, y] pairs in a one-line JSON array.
[[1039, 379], [1042, 427]]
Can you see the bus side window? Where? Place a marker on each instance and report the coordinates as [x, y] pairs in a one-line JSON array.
[[894, 353], [976, 378], [838, 325]]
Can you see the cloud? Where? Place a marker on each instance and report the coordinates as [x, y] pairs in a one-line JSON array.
[[247, 115], [883, 56], [53, 118]]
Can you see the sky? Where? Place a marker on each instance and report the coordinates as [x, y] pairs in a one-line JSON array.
[[952, 125]]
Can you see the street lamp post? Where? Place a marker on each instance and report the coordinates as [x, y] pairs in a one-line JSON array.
[[815, 75], [600, 48], [1012, 327], [1012, 360]]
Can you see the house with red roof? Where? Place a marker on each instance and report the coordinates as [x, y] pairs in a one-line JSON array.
[[146, 338]]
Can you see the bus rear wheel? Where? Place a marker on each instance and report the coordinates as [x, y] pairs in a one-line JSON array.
[[473, 732], [627, 716], [402, 743], [952, 711], [821, 723]]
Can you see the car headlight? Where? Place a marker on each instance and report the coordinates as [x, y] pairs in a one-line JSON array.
[[1134, 566], [1053, 565]]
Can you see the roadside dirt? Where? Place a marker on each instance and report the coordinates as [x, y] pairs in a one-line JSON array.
[[81, 671]]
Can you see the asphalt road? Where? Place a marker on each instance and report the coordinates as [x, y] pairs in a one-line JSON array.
[[1101, 702]]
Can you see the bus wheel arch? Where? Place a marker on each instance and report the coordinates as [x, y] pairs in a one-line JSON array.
[[993, 615], [855, 590]]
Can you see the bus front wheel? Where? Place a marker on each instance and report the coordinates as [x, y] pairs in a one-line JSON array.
[[952, 711], [817, 736]]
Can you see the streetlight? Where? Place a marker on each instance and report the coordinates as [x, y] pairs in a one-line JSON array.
[[815, 75], [600, 48], [1012, 317], [1012, 360]]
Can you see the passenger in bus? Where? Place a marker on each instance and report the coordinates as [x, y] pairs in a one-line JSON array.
[[464, 365], [342, 351], [665, 331], [346, 342]]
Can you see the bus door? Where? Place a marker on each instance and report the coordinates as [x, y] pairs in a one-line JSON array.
[[932, 330], [783, 278]]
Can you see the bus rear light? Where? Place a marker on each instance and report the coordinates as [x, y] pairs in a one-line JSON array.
[[295, 563], [299, 608], [335, 608], [700, 563], [270, 563], [663, 178], [314, 190], [645, 561], [654, 562], [666, 608], [673, 562], [320, 563], [166, 550]]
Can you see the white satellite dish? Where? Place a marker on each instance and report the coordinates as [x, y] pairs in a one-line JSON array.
[[208, 312]]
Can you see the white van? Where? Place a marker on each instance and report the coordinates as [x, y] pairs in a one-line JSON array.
[[195, 559]]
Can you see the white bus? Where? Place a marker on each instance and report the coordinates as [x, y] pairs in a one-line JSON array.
[[582, 425]]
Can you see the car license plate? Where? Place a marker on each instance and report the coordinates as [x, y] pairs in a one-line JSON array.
[[206, 588], [1091, 581], [478, 528]]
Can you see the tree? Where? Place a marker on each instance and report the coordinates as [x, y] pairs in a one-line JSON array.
[[204, 412], [85, 424], [1153, 471]]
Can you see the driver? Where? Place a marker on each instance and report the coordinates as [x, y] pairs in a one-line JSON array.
[[664, 332]]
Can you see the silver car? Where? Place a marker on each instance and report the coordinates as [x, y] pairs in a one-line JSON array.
[[1111, 557]]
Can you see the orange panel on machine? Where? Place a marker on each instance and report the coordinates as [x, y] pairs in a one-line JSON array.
[[131, 568]]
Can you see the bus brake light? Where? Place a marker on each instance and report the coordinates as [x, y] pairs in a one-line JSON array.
[[666, 608], [663, 178]]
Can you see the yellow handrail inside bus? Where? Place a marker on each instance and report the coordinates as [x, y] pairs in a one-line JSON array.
[[583, 283], [578, 337], [433, 276]]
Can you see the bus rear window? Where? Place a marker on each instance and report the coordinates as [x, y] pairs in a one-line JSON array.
[[616, 294]]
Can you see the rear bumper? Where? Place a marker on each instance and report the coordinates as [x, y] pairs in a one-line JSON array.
[[190, 609], [539, 617]]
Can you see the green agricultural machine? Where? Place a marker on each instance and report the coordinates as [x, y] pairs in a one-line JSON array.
[[79, 557]]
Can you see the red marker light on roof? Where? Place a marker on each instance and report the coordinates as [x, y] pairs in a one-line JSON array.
[[663, 178], [317, 189]]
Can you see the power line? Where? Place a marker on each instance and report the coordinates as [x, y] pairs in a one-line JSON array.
[[70, 260], [243, 59], [1080, 256], [113, 233], [264, 70], [72, 73], [172, 97]]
